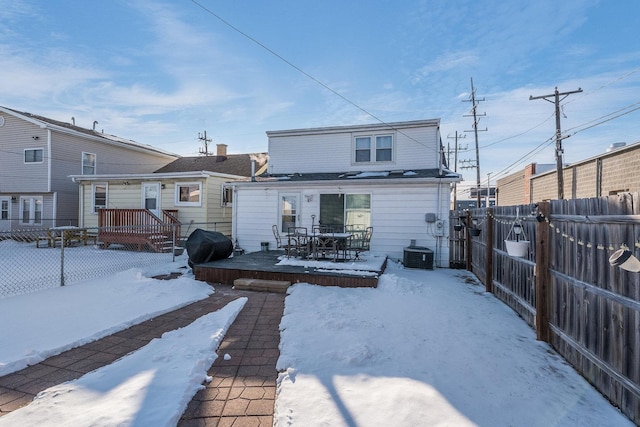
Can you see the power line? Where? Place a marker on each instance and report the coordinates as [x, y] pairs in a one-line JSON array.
[[474, 114], [559, 163], [300, 70]]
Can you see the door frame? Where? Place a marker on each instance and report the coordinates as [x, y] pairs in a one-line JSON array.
[[295, 196], [7, 221], [158, 188]]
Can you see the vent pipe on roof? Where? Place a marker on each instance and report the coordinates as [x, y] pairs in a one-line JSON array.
[[73, 120], [95, 122], [253, 170]]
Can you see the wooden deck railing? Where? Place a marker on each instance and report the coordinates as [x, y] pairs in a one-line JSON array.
[[139, 227]]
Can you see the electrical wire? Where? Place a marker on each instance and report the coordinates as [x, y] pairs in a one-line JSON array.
[[314, 79]]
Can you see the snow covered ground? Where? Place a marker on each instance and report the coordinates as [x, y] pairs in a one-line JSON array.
[[425, 348]]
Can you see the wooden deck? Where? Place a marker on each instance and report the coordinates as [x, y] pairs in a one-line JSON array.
[[262, 265]]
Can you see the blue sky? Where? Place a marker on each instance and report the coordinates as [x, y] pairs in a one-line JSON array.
[[160, 72]]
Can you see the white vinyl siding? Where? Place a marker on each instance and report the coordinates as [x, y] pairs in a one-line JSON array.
[[413, 146], [396, 215]]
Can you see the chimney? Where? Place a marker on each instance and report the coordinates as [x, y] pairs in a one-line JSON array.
[[222, 150]]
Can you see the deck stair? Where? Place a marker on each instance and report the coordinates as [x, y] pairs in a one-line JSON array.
[[279, 286], [138, 227]]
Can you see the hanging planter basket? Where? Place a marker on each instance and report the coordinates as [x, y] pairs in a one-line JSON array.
[[518, 248], [518, 245], [458, 227], [475, 232]]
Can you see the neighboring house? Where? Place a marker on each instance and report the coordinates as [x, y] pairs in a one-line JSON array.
[[389, 176], [189, 191], [615, 171], [39, 154]]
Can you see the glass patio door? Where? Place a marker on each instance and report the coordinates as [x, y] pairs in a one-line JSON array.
[[289, 211], [5, 213]]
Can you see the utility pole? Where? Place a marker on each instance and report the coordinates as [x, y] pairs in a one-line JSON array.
[[205, 142], [559, 151], [455, 164], [474, 114]]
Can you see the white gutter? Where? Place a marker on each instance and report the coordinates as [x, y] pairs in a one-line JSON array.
[[153, 176]]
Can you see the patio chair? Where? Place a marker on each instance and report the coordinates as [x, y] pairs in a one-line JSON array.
[[299, 244], [360, 242], [279, 244]]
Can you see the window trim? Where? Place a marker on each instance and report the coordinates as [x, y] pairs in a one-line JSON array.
[[373, 148], [226, 196], [24, 157], [32, 211], [177, 201], [94, 210], [95, 161]]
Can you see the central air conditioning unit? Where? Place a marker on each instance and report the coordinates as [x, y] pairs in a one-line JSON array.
[[418, 257]]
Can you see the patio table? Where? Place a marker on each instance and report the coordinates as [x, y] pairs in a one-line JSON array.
[[329, 245]]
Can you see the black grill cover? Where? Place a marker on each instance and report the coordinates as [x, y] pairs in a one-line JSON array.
[[204, 246]]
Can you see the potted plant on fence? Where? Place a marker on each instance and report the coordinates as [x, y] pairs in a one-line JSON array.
[[519, 245]]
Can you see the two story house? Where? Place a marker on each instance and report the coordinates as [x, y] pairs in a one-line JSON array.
[[389, 176], [39, 155]]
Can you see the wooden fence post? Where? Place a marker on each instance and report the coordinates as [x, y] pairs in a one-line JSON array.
[[467, 246], [542, 274], [488, 267]]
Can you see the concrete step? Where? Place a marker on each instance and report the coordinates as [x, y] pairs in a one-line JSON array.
[[279, 286]]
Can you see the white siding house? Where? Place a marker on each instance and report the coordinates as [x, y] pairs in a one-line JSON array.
[[388, 176]]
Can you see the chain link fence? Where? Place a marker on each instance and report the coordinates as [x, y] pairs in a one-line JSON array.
[[33, 260]]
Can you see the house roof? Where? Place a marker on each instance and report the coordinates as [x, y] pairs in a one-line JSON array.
[[47, 123], [231, 164], [355, 176]]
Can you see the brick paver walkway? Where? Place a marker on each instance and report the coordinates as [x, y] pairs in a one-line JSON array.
[[242, 392]]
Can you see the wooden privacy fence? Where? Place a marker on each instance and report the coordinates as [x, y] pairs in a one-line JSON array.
[[565, 287]]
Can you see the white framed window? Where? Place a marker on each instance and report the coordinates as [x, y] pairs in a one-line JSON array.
[[31, 210], [188, 194], [88, 163], [373, 148], [227, 196], [33, 155], [99, 196]]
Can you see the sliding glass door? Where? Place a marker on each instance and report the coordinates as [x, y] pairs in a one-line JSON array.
[[340, 210]]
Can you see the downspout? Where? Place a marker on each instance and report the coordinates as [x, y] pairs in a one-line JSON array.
[[234, 216], [439, 204], [81, 206], [54, 212]]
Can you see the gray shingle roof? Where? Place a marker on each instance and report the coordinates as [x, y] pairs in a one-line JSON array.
[[232, 164], [354, 176]]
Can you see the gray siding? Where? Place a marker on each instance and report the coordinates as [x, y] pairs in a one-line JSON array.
[[52, 175], [15, 176]]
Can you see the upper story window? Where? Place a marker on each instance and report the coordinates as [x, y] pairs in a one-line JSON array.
[[373, 148], [88, 164], [33, 155], [99, 193], [188, 194]]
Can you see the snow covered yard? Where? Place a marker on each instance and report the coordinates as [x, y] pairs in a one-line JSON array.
[[425, 348]]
